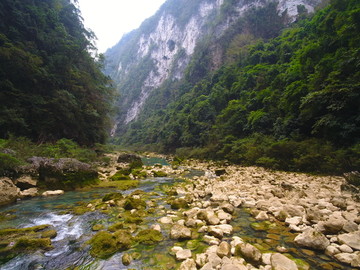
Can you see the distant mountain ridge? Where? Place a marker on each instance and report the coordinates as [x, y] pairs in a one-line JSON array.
[[163, 47]]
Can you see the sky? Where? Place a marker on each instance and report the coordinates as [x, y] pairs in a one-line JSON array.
[[110, 19]]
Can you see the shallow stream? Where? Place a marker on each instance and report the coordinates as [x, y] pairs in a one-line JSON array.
[[73, 231]]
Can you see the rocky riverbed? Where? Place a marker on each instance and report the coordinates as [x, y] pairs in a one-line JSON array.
[[228, 218], [321, 217]]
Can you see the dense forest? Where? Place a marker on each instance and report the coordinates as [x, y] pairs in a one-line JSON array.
[[51, 84], [290, 102]]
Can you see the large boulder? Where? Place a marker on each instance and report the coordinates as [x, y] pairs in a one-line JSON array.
[[313, 239], [63, 173], [8, 191]]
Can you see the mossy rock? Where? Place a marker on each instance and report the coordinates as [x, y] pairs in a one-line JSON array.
[[139, 174], [113, 196], [149, 237], [179, 203], [159, 174], [49, 234], [80, 210], [115, 227], [25, 240], [121, 185], [126, 259], [105, 244], [119, 176], [133, 203], [97, 227]]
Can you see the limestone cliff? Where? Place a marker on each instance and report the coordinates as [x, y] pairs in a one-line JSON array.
[[162, 48]]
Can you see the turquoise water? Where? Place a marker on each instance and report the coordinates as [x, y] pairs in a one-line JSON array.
[[70, 248]]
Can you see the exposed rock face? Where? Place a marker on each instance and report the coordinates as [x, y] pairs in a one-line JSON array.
[[26, 182], [64, 173], [162, 48], [8, 191]]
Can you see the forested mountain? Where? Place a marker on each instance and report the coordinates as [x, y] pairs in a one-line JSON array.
[[289, 102], [51, 87]]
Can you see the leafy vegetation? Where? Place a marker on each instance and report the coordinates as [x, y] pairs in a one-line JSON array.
[[51, 85], [290, 103]]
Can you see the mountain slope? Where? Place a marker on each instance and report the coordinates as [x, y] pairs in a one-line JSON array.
[[290, 103], [50, 85], [187, 38]]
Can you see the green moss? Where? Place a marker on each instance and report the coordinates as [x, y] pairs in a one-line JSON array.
[[133, 203], [262, 226], [149, 237], [16, 241], [159, 174], [105, 244], [118, 176], [28, 244], [112, 196], [120, 185], [139, 174], [49, 234], [97, 227], [117, 226], [80, 210], [179, 203]]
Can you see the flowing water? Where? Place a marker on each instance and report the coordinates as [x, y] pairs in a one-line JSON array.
[[70, 248]]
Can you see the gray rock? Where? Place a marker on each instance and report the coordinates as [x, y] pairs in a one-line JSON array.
[[350, 258], [224, 250], [233, 267], [53, 193], [250, 253], [312, 239], [209, 217], [350, 226], [183, 254], [201, 259], [333, 226], [228, 208], [262, 216], [31, 192], [180, 232], [214, 231], [351, 239], [281, 262], [8, 191], [189, 264]]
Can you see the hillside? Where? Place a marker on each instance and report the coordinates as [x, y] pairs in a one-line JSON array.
[[51, 85], [287, 103]]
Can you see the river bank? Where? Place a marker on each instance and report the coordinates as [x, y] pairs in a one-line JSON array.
[[200, 215], [316, 215]]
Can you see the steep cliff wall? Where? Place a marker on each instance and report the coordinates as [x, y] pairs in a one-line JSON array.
[[162, 48]]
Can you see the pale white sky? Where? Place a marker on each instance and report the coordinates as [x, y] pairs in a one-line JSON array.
[[110, 19]]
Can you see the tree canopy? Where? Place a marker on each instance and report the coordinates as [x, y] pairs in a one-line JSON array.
[[51, 84]]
